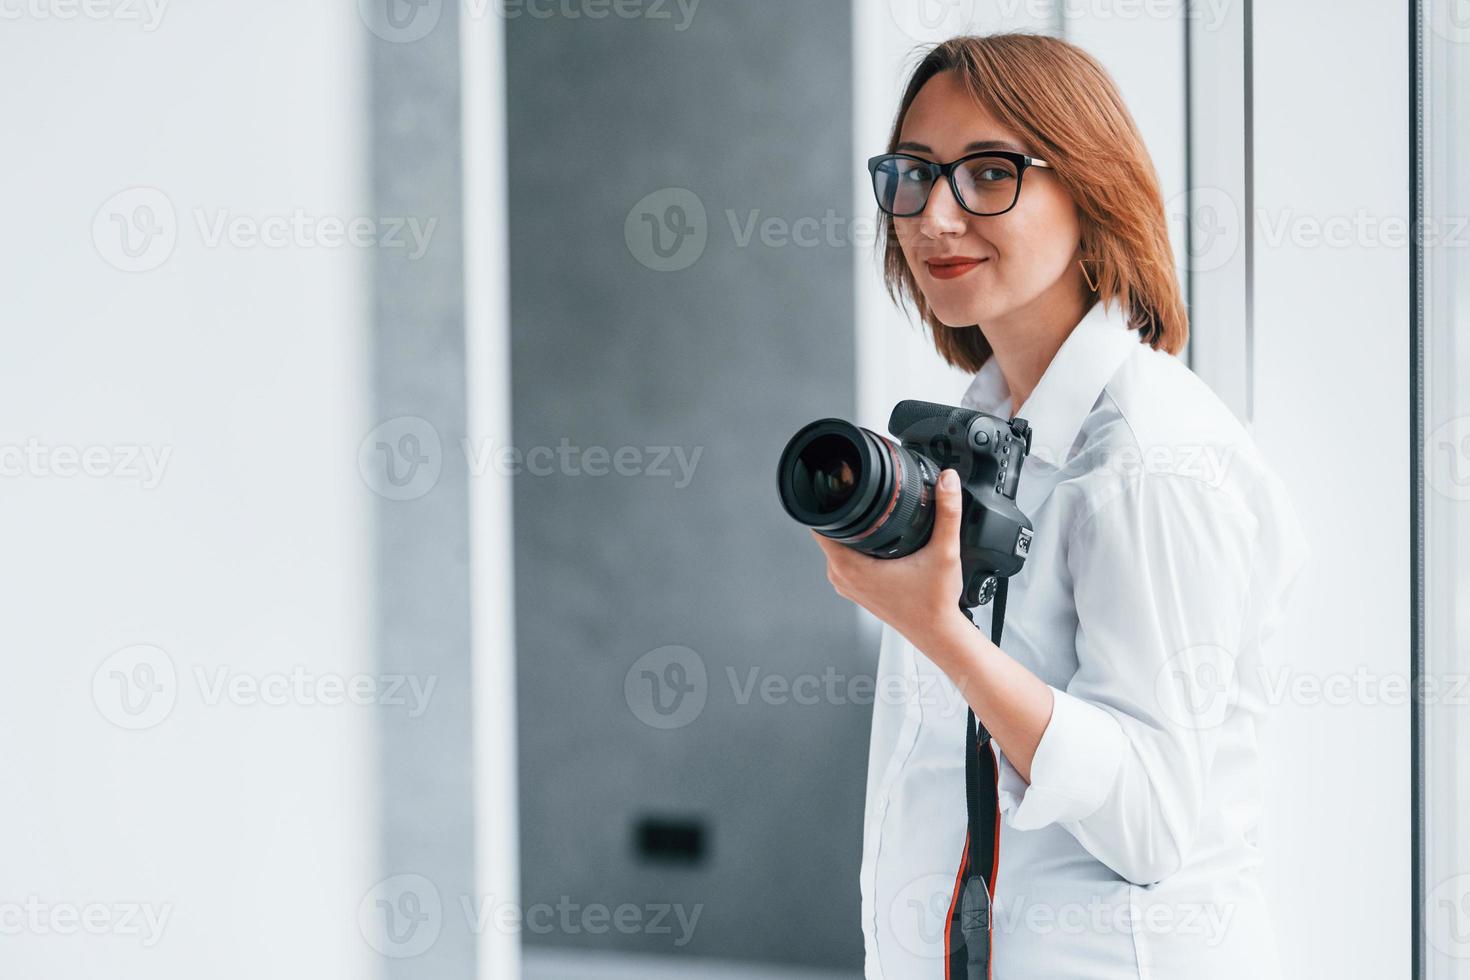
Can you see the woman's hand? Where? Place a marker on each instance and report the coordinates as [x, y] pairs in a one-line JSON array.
[[918, 594]]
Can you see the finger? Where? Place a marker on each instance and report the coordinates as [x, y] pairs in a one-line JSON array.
[[841, 554], [948, 506], [830, 548]]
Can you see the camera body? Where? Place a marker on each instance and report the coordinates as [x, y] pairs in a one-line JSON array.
[[878, 496]]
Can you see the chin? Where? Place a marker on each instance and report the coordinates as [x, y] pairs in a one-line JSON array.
[[955, 324], [958, 320]]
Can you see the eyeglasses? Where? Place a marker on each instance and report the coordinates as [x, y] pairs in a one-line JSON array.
[[985, 184]]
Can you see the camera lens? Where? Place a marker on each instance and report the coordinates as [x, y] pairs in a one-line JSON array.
[[858, 488], [826, 473]]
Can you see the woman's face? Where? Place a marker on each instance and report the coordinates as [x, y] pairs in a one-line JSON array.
[[1028, 254]]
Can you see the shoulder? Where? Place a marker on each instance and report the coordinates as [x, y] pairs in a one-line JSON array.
[[1159, 437]]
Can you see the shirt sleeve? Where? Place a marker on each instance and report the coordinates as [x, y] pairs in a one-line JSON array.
[[1161, 576]]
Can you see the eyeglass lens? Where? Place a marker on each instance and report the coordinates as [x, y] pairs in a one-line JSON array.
[[987, 185]]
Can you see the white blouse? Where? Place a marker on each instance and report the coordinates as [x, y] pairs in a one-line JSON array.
[[1164, 548]]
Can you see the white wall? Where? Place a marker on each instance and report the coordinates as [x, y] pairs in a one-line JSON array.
[[1331, 383], [249, 825]]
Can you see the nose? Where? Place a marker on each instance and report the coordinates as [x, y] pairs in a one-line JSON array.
[[942, 214]]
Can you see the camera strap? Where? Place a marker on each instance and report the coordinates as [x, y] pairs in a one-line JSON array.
[[969, 926]]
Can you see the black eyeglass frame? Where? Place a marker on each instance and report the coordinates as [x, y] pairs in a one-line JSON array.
[[936, 170]]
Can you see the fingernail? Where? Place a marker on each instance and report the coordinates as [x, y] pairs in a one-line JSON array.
[[949, 479]]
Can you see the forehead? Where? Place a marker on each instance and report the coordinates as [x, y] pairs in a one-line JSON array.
[[946, 122]]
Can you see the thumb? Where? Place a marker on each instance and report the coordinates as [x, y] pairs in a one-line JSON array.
[[947, 508]]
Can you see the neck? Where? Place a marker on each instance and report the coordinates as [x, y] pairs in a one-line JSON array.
[[1024, 341]]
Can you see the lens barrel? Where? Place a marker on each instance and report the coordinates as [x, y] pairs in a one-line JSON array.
[[858, 488]]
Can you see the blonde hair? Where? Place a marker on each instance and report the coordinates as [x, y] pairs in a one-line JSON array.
[[1068, 110]]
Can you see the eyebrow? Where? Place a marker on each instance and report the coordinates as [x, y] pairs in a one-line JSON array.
[[975, 147]]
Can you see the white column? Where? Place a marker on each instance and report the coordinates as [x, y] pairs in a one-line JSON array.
[[1331, 370], [487, 364]]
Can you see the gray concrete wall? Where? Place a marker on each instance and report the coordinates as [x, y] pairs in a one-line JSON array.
[[630, 587]]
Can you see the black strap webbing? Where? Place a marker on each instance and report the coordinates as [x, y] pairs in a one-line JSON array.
[[969, 929]]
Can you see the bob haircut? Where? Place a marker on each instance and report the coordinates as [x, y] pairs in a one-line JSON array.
[[1066, 108]]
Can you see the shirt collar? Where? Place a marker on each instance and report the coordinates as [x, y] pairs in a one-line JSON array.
[[1069, 387]]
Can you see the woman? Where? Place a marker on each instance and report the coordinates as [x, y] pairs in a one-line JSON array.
[[1126, 695]]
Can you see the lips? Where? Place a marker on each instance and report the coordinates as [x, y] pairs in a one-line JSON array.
[[953, 266]]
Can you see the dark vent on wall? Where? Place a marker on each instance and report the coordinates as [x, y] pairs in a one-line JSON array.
[[668, 840]]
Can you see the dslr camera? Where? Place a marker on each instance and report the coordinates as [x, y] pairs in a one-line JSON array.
[[877, 496]]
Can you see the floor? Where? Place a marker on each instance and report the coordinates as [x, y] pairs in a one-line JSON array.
[[541, 964]]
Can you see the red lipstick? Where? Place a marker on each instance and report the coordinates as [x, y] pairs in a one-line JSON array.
[[952, 267]]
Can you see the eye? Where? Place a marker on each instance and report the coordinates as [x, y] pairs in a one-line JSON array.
[[993, 173]]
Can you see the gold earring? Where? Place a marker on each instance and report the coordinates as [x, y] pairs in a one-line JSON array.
[[1083, 264]]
